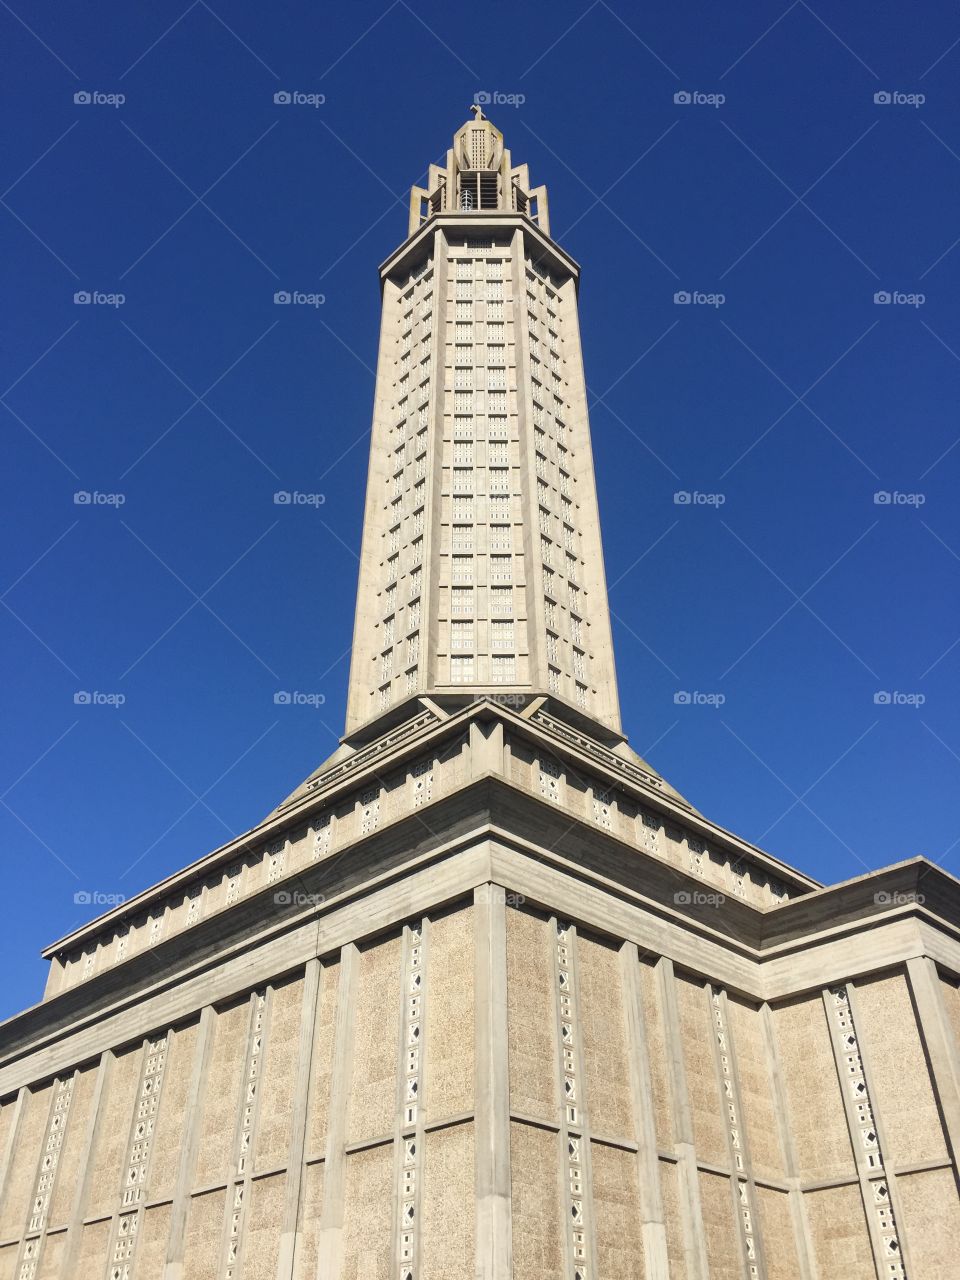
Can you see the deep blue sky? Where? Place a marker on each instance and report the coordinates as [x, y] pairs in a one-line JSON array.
[[798, 599]]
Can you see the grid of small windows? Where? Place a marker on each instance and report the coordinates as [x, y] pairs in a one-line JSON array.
[[480, 531], [404, 547], [462, 668], [503, 668], [559, 540]]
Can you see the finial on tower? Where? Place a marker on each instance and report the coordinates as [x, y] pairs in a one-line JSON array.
[[478, 111]]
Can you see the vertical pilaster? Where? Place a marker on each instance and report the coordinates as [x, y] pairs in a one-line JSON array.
[[13, 1137], [238, 1188], [492, 1105], [694, 1238], [656, 1265], [943, 1053], [741, 1171], [330, 1248], [104, 1071], [410, 1109], [486, 747], [798, 1209], [875, 1186], [577, 1184], [61, 1094], [173, 1269], [289, 1229]]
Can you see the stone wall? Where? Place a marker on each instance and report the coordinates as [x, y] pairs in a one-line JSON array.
[[336, 1121]]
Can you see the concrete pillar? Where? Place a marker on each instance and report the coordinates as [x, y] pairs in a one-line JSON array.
[[655, 1256], [798, 1208], [173, 1270], [493, 1190], [70, 1253], [943, 1053], [694, 1237], [330, 1248], [290, 1228]]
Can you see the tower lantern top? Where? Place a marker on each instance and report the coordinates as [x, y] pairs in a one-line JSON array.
[[478, 178]]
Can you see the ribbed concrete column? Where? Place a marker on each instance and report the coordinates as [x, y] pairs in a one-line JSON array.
[[694, 1237], [289, 1230], [492, 1115], [330, 1248], [173, 1269], [655, 1256]]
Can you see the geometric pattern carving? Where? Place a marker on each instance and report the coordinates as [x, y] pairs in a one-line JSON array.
[[369, 810], [411, 1077], [322, 835], [248, 1118], [648, 833], [422, 781], [602, 808], [573, 1114], [46, 1176], [855, 1083], [549, 778], [735, 1130], [127, 1225]]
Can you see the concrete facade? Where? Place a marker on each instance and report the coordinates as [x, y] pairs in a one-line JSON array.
[[485, 996]]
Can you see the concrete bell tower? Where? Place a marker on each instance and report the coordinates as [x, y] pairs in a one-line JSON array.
[[482, 566]]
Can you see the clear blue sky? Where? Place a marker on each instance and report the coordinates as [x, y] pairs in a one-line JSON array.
[[798, 599]]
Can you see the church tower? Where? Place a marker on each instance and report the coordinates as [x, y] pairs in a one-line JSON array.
[[485, 998], [481, 566]]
